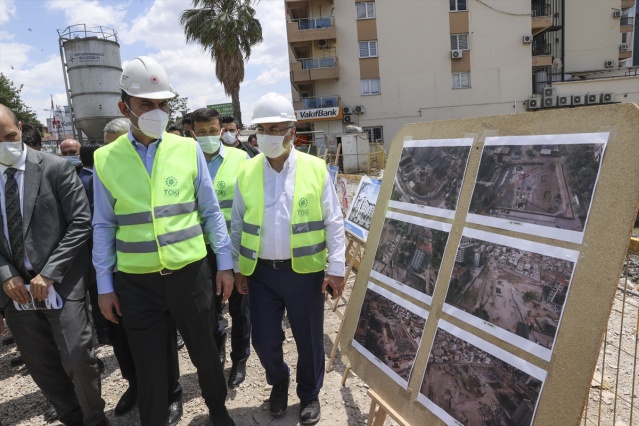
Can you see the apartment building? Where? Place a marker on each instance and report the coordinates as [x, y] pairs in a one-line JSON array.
[[381, 64]]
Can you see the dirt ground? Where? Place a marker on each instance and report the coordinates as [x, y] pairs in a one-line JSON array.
[[21, 402]]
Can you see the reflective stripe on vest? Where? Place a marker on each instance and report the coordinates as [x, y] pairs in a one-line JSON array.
[[308, 241], [158, 223], [224, 182]]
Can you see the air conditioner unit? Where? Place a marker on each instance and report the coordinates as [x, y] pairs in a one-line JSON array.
[[549, 91], [607, 97], [323, 44], [347, 119], [347, 110], [527, 39], [550, 101], [578, 100], [592, 98], [533, 103], [609, 64], [456, 54], [616, 14], [564, 100], [359, 109], [623, 46]]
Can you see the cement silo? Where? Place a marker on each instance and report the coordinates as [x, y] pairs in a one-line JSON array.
[[92, 67]]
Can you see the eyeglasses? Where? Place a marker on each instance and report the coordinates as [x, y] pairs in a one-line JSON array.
[[272, 132]]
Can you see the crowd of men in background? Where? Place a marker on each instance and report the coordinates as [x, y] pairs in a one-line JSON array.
[[161, 227]]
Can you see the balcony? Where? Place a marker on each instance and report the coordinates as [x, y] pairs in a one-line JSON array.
[[309, 29], [316, 102], [626, 24], [311, 69], [541, 55], [541, 17]]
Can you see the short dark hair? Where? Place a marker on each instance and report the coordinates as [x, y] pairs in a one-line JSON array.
[[86, 152], [251, 137], [227, 119], [174, 128], [126, 98], [186, 119], [30, 135], [204, 115]]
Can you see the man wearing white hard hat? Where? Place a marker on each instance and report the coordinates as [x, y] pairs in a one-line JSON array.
[[286, 223], [154, 202]]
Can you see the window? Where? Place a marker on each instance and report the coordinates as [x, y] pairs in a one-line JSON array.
[[368, 49], [370, 87], [457, 5], [461, 80], [459, 42], [375, 134], [366, 10]]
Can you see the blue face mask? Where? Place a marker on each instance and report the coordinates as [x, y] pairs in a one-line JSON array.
[[74, 159]]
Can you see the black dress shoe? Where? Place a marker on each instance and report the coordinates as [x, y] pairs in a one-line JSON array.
[[278, 401], [180, 340], [310, 412], [221, 419], [237, 375], [175, 412], [49, 413], [126, 402]]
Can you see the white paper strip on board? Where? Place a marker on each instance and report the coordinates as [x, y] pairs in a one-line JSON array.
[[433, 143], [536, 223]]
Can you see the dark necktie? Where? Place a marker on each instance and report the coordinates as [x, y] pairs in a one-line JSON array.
[[14, 218]]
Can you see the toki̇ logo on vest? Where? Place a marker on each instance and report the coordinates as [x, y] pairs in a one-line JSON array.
[[171, 182], [303, 204], [220, 188]]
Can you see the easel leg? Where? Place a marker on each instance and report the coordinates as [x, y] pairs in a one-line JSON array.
[[371, 413], [347, 372]]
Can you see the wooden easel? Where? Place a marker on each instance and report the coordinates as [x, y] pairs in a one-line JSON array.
[[354, 250], [378, 418]]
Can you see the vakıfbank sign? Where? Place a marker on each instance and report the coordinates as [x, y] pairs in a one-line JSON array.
[[319, 114]]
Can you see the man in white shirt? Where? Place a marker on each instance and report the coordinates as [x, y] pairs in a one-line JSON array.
[[286, 216]]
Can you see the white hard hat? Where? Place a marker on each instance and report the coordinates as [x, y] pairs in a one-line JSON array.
[[273, 108], [143, 77]]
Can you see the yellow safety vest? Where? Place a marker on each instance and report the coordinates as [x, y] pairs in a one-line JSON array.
[[158, 223], [308, 239], [225, 178]]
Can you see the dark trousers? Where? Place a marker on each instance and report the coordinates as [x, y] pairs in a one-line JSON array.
[[240, 317], [150, 303], [122, 352], [271, 292], [57, 348]]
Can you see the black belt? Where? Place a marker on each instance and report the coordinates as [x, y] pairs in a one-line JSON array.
[[275, 264]]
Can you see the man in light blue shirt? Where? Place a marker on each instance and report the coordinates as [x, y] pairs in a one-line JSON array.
[[149, 302]]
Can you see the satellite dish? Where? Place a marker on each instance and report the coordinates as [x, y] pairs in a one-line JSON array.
[[557, 64]]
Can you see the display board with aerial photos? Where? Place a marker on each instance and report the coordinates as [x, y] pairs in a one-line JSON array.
[[493, 257]]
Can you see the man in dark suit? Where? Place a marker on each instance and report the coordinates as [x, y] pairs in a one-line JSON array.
[[46, 222]]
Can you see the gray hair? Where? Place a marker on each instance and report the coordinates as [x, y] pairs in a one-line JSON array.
[[119, 125]]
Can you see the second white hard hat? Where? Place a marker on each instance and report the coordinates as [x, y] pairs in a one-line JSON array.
[[273, 108], [143, 77]]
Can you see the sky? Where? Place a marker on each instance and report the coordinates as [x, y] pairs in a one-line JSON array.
[[30, 54]]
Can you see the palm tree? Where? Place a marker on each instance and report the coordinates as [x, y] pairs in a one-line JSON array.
[[227, 29]]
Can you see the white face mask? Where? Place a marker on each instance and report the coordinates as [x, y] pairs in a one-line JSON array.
[[10, 152], [209, 144], [152, 123], [229, 138], [271, 146]]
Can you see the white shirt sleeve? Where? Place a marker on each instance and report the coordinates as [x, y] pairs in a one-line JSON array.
[[334, 226]]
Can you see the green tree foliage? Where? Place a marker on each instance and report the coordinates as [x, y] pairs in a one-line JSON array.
[[177, 106], [227, 30], [10, 97]]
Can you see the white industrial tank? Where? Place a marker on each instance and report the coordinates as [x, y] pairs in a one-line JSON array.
[[92, 67]]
